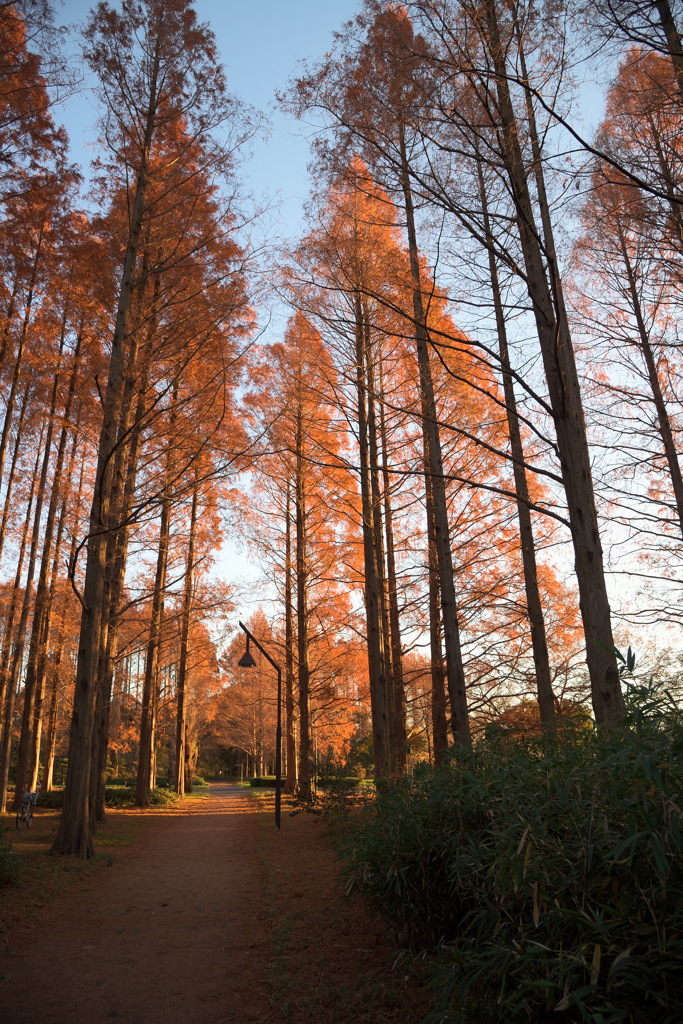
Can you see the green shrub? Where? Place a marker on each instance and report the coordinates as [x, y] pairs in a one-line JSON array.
[[262, 781], [198, 781], [344, 783], [161, 797], [60, 770], [340, 783], [119, 797], [361, 756], [540, 876], [10, 863], [54, 799], [113, 796], [126, 797], [120, 780]]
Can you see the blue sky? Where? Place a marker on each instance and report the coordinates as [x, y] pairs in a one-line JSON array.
[[260, 43]]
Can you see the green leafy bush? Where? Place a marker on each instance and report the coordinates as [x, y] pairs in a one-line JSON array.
[[161, 797], [114, 796], [334, 777], [54, 799], [118, 797], [543, 879], [361, 756], [343, 783], [198, 781]]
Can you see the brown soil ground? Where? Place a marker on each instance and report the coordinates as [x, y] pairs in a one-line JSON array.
[[208, 915]]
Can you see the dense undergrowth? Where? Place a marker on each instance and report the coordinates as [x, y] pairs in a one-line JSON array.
[[542, 879]]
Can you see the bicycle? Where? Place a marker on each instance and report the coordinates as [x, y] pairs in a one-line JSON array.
[[25, 809]]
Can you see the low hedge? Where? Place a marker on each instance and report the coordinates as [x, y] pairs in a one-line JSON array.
[[113, 797], [349, 782], [161, 783], [53, 799], [339, 783]]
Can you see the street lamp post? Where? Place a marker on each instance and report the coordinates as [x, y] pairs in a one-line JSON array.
[[247, 661]]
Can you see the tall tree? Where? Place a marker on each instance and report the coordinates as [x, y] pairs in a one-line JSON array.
[[416, 94], [158, 71]]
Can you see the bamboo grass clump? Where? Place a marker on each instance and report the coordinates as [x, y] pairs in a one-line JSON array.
[[542, 879]]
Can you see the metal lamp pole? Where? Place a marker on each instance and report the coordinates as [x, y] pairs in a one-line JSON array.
[[247, 661]]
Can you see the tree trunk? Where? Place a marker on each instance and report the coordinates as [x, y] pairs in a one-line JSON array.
[[665, 431], [148, 722], [9, 408], [187, 761], [59, 650], [172, 777], [438, 698], [380, 723], [44, 648], [40, 631], [455, 673], [565, 398], [394, 618], [143, 783], [673, 40], [23, 753], [302, 617], [154, 740], [74, 834], [7, 681], [544, 688], [8, 319], [51, 737], [290, 745], [13, 467], [184, 644], [122, 496], [376, 498]]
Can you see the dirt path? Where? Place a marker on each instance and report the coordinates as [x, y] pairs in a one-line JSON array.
[[163, 938], [211, 916]]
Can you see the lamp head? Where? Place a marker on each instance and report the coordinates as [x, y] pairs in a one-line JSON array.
[[246, 661]]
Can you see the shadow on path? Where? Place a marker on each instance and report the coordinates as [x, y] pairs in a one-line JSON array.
[[173, 934]]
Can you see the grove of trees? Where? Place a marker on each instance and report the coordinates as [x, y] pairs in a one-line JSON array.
[[457, 463]]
